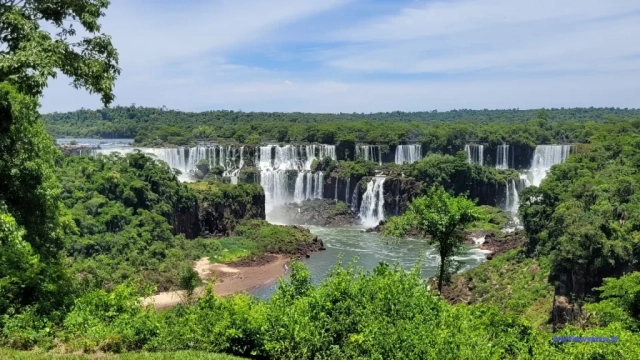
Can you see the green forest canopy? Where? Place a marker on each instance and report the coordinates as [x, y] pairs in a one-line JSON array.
[[152, 126]]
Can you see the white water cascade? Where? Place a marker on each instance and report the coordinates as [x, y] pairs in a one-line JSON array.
[[185, 159], [277, 163], [475, 154], [502, 157], [370, 153], [372, 206], [512, 200], [408, 154], [544, 157]]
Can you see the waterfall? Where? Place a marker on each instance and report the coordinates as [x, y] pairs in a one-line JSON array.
[[512, 200], [408, 154], [544, 157], [372, 206], [335, 192], [354, 199], [346, 191], [318, 181], [185, 159], [299, 194], [309, 192], [502, 157], [369, 153], [475, 154], [276, 161]]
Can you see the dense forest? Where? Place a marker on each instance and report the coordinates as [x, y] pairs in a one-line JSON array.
[[157, 127], [83, 240]]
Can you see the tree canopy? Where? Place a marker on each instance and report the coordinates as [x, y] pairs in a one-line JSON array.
[[32, 55], [442, 218]]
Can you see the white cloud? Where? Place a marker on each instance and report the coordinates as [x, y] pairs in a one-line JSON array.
[[524, 35], [458, 54]]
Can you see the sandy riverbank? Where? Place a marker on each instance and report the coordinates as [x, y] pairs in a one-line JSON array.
[[229, 279]]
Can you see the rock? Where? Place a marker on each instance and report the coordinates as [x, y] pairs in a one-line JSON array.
[[564, 312], [497, 245], [319, 212]]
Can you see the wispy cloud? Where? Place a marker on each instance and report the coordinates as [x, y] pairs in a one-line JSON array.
[[357, 55]]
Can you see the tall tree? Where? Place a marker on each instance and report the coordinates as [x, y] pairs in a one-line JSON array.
[[31, 55], [441, 218], [31, 218]]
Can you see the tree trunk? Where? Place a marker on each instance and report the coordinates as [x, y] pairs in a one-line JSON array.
[[441, 275]]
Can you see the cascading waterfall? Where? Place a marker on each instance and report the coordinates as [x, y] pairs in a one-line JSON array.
[[408, 154], [346, 191], [275, 162], [185, 159], [502, 157], [372, 206], [475, 154], [512, 200], [544, 157], [319, 182], [354, 199], [370, 153]]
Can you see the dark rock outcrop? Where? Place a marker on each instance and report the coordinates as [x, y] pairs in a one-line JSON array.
[[319, 212], [219, 208], [398, 193], [564, 312], [494, 243]]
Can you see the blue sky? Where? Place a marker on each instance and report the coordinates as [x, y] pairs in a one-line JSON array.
[[369, 55]]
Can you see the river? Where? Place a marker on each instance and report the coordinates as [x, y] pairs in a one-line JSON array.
[[370, 249]]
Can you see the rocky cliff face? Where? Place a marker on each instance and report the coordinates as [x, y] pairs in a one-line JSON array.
[[318, 212], [398, 193], [220, 207]]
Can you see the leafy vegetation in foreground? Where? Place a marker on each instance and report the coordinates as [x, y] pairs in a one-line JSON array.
[[510, 282], [442, 218], [384, 314], [175, 355], [585, 216]]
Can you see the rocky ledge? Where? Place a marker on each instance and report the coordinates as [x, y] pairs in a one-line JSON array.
[[317, 212], [497, 244]]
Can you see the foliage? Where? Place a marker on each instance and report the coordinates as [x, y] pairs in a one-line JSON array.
[[31, 55], [586, 215], [385, 314], [341, 208], [274, 238], [122, 208], [441, 217], [175, 355], [33, 223], [446, 132], [236, 202], [189, 280], [512, 283], [620, 302], [490, 219]]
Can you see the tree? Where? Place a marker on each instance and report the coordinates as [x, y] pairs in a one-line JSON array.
[[32, 55], [189, 280], [29, 190], [442, 218]]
